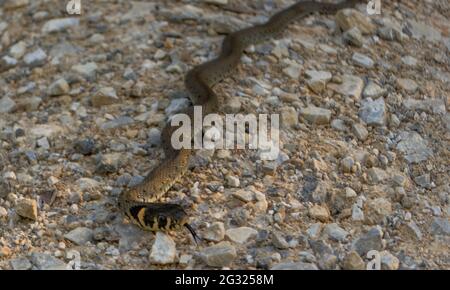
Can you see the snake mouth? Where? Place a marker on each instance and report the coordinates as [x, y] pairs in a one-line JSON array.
[[193, 233]]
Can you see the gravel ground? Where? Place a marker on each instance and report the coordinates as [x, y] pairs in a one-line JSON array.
[[364, 105]]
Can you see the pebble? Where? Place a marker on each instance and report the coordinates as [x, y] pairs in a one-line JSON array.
[[104, 96], [351, 86], [374, 91], [3, 212], [294, 266], [59, 87], [60, 24], [241, 235], [413, 146], [317, 80], [88, 70], [372, 240], [293, 71], [20, 264], [321, 213], [279, 241], [44, 261], [85, 146], [389, 261], [407, 85], [347, 164], [376, 175], [27, 208], [7, 105], [335, 232], [289, 117], [36, 58], [411, 230], [215, 232], [440, 226], [80, 236], [360, 131], [353, 261], [219, 255], [317, 116], [353, 36], [373, 112], [363, 60], [233, 181], [163, 250], [357, 213], [423, 180]]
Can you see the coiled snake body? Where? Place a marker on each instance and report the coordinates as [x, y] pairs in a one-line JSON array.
[[139, 203]]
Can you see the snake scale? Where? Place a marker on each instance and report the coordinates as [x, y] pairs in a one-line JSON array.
[[140, 203]]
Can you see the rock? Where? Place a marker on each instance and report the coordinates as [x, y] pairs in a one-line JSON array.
[[391, 30], [372, 240], [14, 4], [409, 60], [60, 24], [7, 105], [349, 18], [215, 232], [411, 231], [85, 183], [373, 112], [317, 116], [177, 105], [357, 213], [360, 131], [335, 232], [47, 262], [163, 250], [85, 146], [154, 137], [27, 208], [362, 60], [353, 36], [293, 71], [241, 235], [108, 163], [88, 70], [43, 143], [35, 58], [432, 106], [419, 30], [59, 87], [389, 261], [119, 122], [45, 130], [279, 241], [220, 255], [289, 117], [3, 212], [351, 86], [374, 91], [377, 210], [314, 230], [20, 264], [407, 85], [317, 80], [353, 261], [104, 96], [440, 226], [80, 236], [413, 146], [423, 180], [347, 164], [233, 181], [339, 125], [294, 266], [7, 62], [319, 212], [376, 175]]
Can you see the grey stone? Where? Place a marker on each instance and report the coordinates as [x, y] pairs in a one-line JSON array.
[[372, 240], [80, 236], [47, 262], [316, 115], [219, 255], [423, 180], [376, 175], [121, 121], [104, 96], [353, 261], [373, 90], [413, 146], [335, 232], [317, 80], [360, 131], [432, 106], [36, 58], [294, 266], [7, 105], [363, 60], [88, 70], [373, 112], [408, 85], [108, 163], [215, 232], [351, 86], [241, 235], [7, 62], [163, 250], [59, 87], [440, 226], [353, 36], [60, 24], [20, 264], [177, 105], [420, 30]]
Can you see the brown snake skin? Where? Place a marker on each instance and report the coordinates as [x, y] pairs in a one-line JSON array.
[[139, 203]]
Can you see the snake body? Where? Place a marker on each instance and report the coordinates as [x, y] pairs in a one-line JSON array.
[[140, 203]]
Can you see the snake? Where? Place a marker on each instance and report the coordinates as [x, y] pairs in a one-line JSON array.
[[140, 203]]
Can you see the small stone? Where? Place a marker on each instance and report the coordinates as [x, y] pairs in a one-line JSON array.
[[335, 232], [129, 74], [163, 250], [293, 71], [316, 115], [20, 264], [373, 112], [295, 266], [80, 236], [104, 96], [220, 255], [351, 86], [317, 80], [109, 163], [279, 241], [389, 261], [27, 208], [411, 230], [85, 146], [339, 125], [409, 60], [59, 87], [350, 193], [215, 232], [289, 117], [314, 230], [373, 90], [414, 147], [353, 261], [154, 137], [35, 58], [372, 240], [176, 105], [43, 143], [3, 212], [185, 259], [347, 164], [408, 85], [88, 70], [7, 62], [440, 226], [320, 213], [60, 24], [362, 60], [423, 180], [357, 213], [44, 261], [233, 181], [378, 209], [376, 175], [353, 36], [7, 105], [399, 180], [241, 235], [349, 18], [360, 131]]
